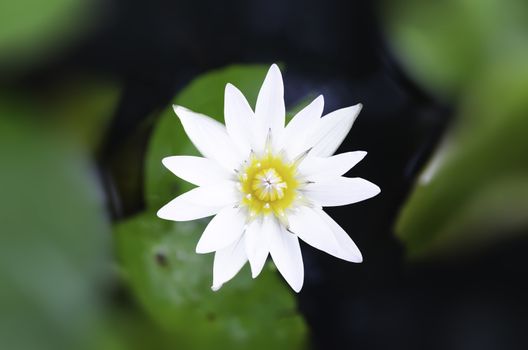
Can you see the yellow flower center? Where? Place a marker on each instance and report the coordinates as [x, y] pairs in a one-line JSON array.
[[268, 185]]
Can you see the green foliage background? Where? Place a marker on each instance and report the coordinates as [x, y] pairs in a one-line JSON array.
[[475, 55]]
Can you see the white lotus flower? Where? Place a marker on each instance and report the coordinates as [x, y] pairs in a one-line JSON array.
[[267, 183]]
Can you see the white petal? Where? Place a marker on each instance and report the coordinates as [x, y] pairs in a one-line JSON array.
[[226, 227], [210, 138], [227, 263], [341, 191], [295, 136], [270, 112], [332, 130], [256, 247], [196, 170], [238, 117], [318, 168], [286, 253], [200, 202], [306, 224], [347, 248]]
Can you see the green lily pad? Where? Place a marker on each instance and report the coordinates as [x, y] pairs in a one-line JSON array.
[[173, 283], [477, 192]]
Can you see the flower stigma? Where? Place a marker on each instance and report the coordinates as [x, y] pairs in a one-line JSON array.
[[268, 185]]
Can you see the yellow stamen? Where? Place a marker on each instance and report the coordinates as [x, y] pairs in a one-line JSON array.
[[268, 185]]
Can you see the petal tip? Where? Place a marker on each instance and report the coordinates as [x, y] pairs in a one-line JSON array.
[[162, 214], [165, 162], [200, 249], [297, 289], [179, 110], [355, 257], [166, 214], [319, 100], [361, 154], [353, 111], [274, 71], [356, 108], [374, 190], [230, 88]]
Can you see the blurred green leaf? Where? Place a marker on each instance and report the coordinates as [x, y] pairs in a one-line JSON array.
[[54, 238], [205, 94], [83, 106], [478, 189], [32, 29], [173, 283], [445, 45]]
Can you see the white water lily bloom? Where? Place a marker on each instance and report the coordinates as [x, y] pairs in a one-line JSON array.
[[266, 183]]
